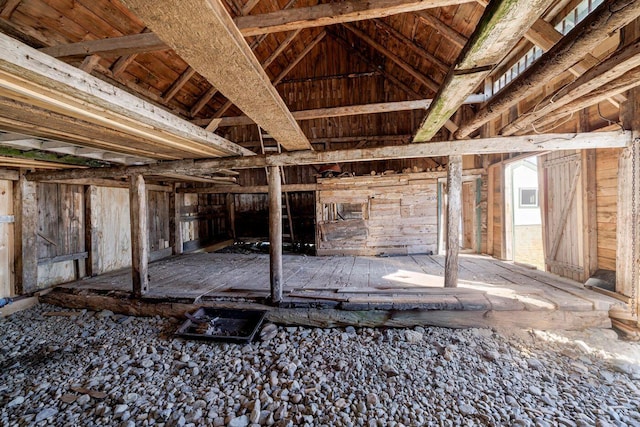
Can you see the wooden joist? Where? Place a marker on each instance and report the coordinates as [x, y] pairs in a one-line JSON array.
[[446, 31], [350, 110], [116, 46], [584, 38], [331, 13], [34, 77], [204, 35], [614, 67], [501, 27], [521, 144]]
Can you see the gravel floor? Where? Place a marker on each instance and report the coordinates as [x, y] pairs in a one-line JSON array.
[[106, 369]]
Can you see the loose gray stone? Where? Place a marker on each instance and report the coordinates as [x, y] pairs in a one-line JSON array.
[[45, 414]]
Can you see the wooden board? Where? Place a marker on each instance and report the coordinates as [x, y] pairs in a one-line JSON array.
[[6, 240]]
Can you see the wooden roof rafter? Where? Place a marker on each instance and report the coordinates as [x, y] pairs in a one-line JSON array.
[[502, 25], [610, 16]]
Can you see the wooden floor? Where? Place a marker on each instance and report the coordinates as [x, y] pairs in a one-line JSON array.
[[358, 283]]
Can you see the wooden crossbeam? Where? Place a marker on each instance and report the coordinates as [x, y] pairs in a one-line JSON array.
[[584, 38], [117, 46], [350, 110], [192, 27], [48, 83], [178, 84], [332, 13], [521, 144], [615, 66], [502, 25]]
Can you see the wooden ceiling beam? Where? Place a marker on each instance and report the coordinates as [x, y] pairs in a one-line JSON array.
[[502, 25], [9, 7], [445, 31], [332, 13], [124, 61], [350, 110], [499, 145], [584, 38], [419, 76], [615, 66], [116, 46], [178, 84], [202, 33]]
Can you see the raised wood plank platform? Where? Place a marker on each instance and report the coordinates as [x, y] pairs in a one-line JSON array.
[[363, 291]]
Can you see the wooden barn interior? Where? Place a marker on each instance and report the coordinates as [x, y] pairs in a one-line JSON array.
[[382, 163]]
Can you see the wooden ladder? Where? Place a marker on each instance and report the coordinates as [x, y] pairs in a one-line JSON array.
[[287, 219]]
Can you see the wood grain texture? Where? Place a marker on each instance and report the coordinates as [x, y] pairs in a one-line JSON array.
[[193, 26], [139, 236]]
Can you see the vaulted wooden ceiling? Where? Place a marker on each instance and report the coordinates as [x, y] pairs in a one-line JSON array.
[[307, 72]]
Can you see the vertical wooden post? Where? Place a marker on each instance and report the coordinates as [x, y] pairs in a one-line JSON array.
[[231, 215], [628, 214], [92, 264], [590, 220], [454, 205], [175, 227], [139, 235], [26, 227], [275, 233]]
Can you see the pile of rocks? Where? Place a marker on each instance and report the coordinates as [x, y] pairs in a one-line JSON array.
[[107, 369]]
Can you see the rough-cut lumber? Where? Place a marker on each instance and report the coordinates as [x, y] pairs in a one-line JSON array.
[[454, 212], [178, 84], [192, 27], [420, 77], [375, 316], [618, 86], [502, 25], [275, 234], [59, 87], [446, 31], [584, 38], [175, 226], [9, 175], [25, 206], [253, 189], [521, 144], [614, 67], [331, 13], [349, 110], [118, 46], [139, 211]]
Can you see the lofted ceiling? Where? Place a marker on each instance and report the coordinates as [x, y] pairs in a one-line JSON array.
[[308, 72]]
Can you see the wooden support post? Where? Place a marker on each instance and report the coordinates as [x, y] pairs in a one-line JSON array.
[[26, 225], [175, 227], [628, 244], [454, 205], [590, 220], [90, 235], [139, 235], [275, 233], [231, 215]]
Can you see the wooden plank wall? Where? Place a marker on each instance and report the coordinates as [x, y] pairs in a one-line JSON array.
[[158, 224], [399, 215], [495, 211], [7, 273], [606, 202], [60, 232], [564, 221], [469, 215], [203, 219], [110, 219]]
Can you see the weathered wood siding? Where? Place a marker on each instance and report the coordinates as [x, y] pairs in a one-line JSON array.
[[495, 212], [60, 232], [158, 224], [7, 274], [110, 220], [607, 202], [563, 216], [399, 215], [203, 219]]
